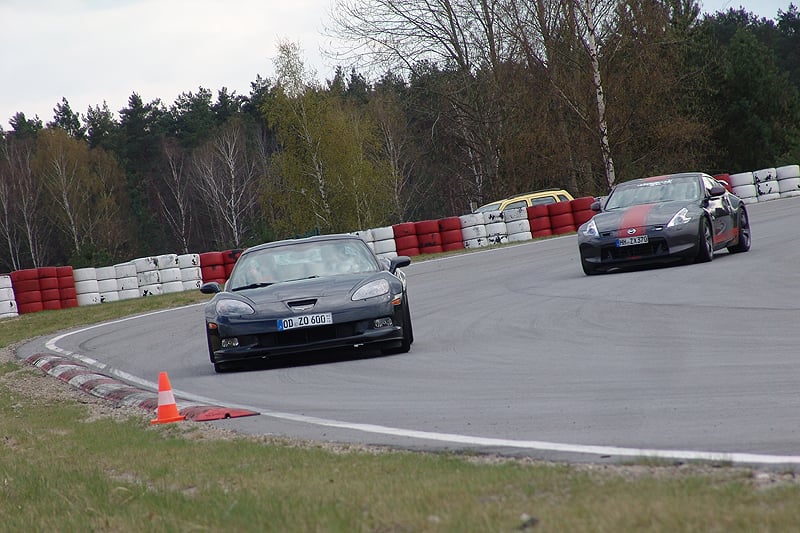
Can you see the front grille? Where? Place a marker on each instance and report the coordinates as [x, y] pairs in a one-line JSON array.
[[301, 336], [655, 247]]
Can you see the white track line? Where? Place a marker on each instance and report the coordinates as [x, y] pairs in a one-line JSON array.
[[687, 455]]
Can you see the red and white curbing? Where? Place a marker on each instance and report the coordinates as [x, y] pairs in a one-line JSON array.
[[84, 378]]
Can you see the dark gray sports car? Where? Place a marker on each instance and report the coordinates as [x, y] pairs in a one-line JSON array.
[[310, 294], [661, 219]]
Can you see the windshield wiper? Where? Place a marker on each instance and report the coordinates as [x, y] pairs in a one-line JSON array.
[[251, 286]]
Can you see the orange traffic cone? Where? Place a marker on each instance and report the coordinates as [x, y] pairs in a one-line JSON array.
[[167, 408]]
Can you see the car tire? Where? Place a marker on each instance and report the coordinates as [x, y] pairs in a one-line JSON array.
[[743, 242], [408, 334], [705, 243]]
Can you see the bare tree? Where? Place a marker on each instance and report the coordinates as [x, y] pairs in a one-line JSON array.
[[21, 196], [460, 35], [175, 202], [63, 166], [15, 162], [226, 175]]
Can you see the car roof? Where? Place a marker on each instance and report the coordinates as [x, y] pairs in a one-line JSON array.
[[315, 238], [541, 192]]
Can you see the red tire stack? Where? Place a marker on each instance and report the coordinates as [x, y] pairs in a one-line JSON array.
[[450, 231], [212, 267], [229, 258], [48, 285], [561, 219], [428, 236], [405, 237], [66, 287], [27, 292], [582, 209], [539, 219]]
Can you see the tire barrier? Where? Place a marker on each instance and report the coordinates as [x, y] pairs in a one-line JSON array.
[[497, 232], [539, 219], [52, 288], [169, 273], [38, 289], [191, 273], [743, 186], [405, 237], [212, 267], [582, 210], [450, 230], [8, 303], [788, 181], [473, 230], [367, 237], [127, 280], [66, 287], [766, 184], [229, 258], [429, 237], [107, 284], [562, 220], [87, 290], [148, 276]]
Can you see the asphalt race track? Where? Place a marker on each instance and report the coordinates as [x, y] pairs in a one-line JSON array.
[[517, 352]]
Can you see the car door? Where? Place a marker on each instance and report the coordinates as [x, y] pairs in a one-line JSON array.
[[721, 212]]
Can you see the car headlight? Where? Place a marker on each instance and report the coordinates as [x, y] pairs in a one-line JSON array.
[[228, 307], [590, 229], [680, 218], [372, 289]]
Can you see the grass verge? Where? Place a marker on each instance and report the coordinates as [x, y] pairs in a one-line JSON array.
[[62, 468]]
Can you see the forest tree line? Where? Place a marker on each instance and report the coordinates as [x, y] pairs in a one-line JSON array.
[[473, 100]]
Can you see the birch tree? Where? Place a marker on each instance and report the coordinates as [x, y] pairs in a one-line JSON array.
[[226, 176]]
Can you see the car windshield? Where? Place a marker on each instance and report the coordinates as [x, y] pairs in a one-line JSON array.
[[302, 260], [668, 189]]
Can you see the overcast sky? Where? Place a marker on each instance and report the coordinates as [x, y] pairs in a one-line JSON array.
[[91, 51]]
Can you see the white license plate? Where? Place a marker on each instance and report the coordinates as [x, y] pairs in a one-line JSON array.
[[305, 321], [630, 241]]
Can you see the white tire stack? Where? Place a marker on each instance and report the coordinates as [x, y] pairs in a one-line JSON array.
[[8, 304], [497, 232], [127, 281], [788, 181], [148, 276], [191, 273], [383, 244], [517, 224], [87, 290], [169, 273], [107, 284], [766, 182], [367, 237], [473, 230], [743, 186]]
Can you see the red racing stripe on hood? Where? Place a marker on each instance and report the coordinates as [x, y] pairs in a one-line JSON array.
[[634, 217]]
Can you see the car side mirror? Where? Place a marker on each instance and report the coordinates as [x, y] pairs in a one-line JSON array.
[[398, 262], [716, 190], [212, 287], [595, 206]]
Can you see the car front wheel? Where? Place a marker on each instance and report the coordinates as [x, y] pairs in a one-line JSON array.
[[408, 334], [705, 244], [743, 242]]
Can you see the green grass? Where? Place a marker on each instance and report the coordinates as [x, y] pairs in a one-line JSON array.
[[63, 471]]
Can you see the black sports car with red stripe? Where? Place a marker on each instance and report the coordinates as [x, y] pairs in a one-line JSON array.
[[678, 217]]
